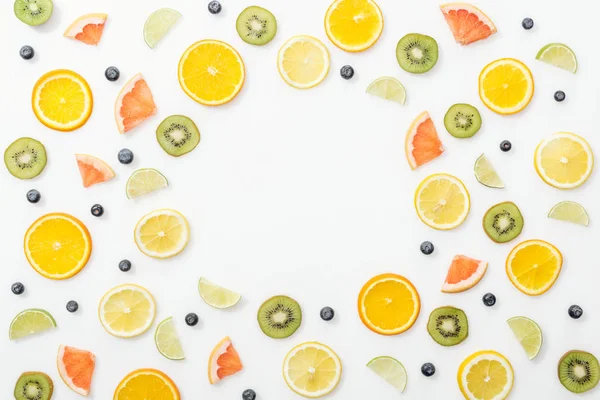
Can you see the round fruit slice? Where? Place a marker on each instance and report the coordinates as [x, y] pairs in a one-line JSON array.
[[391, 370], [503, 222], [93, 170], [127, 310], [224, 361], [279, 317], [417, 53], [442, 201], [388, 88], [30, 322], [162, 233], [256, 25], [76, 368], [57, 245], [62, 100], [303, 62], [217, 296], [463, 274], [388, 304], [533, 266], [448, 326], [158, 24], [353, 25], [25, 158], [564, 160], [144, 181], [486, 174], [211, 72], [467, 23], [578, 371], [462, 121], [528, 333], [33, 12], [506, 86], [87, 28], [312, 369], [485, 375], [571, 212], [166, 340], [134, 105], [559, 55], [34, 385], [144, 384], [177, 135], [422, 142]]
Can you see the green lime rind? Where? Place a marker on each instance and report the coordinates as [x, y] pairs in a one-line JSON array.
[[128, 191], [560, 55], [391, 370], [158, 24], [570, 211], [217, 296], [14, 333], [529, 334], [388, 88], [486, 174], [179, 355]]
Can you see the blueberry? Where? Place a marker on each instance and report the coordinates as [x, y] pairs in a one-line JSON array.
[[97, 210], [427, 248], [575, 312], [428, 369], [559, 95], [33, 196], [17, 288], [214, 7], [347, 72], [26, 52], [327, 313], [125, 156], [112, 74], [489, 299], [191, 319], [505, 146], [249, 394], [72, 306], [125, 265], [527, 23]]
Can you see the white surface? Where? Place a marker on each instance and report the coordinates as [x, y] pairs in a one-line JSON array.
[[305, 193]]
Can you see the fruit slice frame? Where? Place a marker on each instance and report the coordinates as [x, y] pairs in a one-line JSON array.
[[137, 384], [159, 229], [224, 361], [78, 374], [461, 16], [87, 29], [485, 360], [497, 77], [118, 295], [547, 252], [29, 322], [364, 10], [308, 46], [456, 188], [422, 143], [134, 105]]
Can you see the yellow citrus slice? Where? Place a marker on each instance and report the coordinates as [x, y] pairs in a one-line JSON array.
[[533, 266], [211, 72], [353, 25], [506, 86], [388, 304], [303, 62], [62, 100], [162, 233], [127, 310], [57, 245], [442, 201], [312, 369], [485, 375], [147, 384], [564, 160]]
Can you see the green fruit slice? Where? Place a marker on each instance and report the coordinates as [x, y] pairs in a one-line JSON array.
[[34, 385], [29, 322], [144, 181], [388, 88], [571, 212], [217, 296], [528, 333], [462, 121], [391, 370], [578, 371], [33, 12], [486, 174], [167, 341], [559, 55], [158, 24], [256, 25], [25, 158]]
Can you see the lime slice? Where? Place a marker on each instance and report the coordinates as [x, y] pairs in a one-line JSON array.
[[144, 181], [528, 333], [30, 322], [391, 370], [486, 174], [559, 55], [217, 296], [158, 24], [571, 212], [167, 341], [388, 88]]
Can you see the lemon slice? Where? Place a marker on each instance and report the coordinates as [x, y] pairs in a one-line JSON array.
[[162, 233], [442, 201], [144, 181], [217, 296], [353, 25], [391, 370], [506, 86], [303, 62], [388, 88], [485, 375], [312, 369], [127, 310], [29, 322], [158, 24], [533, 266], [571, 212], [564, 160], [166, 340], [528, 333], [486, 174], [559, 55]]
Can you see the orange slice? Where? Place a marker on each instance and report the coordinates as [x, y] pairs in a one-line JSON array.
[[93, 170], [533, 266], [87, 28], [353, 25], [57, 246], [467, 23], [388, 304], [147, 384], [422, 141], [463, 274], [506, 86], [134, 105], [76, 368], [224, 361]]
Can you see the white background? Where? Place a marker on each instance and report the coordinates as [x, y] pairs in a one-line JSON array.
[[304, 193]]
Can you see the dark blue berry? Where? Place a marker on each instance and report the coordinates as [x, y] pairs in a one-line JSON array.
[[26, 52], [505, 146], [575, 312], [112, 74], [17, 288], [125, 156], [124, 265], [249, 394], [559, 95], [214, 7], [527, 23], [191, 319], [33, 196], [97, 210], [347, 72], [427, 248], [327, 313], [428, 369], [72, 306], [489, 299]]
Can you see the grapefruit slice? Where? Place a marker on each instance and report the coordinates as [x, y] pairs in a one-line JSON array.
[[224, 361], [93, 170], [134, 105], [87, 28], [76, 368], [467, 23], [422, 141], [463, 274]]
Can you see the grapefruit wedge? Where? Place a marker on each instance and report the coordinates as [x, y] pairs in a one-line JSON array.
[[422, 141], [224, 361], [467, 23], [87, 28], [134, 105], [463, 274], [93, 170], [76, 368]]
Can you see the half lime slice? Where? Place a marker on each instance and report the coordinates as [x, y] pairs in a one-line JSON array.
[[528, 333], [391, 370], [559, 55], [158, 24], [486, 174], [388, 88], [167, 341], [571, 212], [217, 296], [144, 181], [30, 322]]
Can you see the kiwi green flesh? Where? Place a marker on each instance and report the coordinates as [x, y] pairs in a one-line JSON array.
[[33, 12], [417, 53], [34, 386], [279, 317], [178, 135], [256, 25], [25, 158], [578, 371], [503, 222], [462, 121], [448, 326]]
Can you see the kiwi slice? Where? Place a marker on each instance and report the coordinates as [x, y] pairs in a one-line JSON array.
[[33, 12], [279, 317], [256, 25], [34, 386], [417, 53], [578, 371], [503, 222], [25, 158], [462, 121], [448, 325], [178, 135]]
